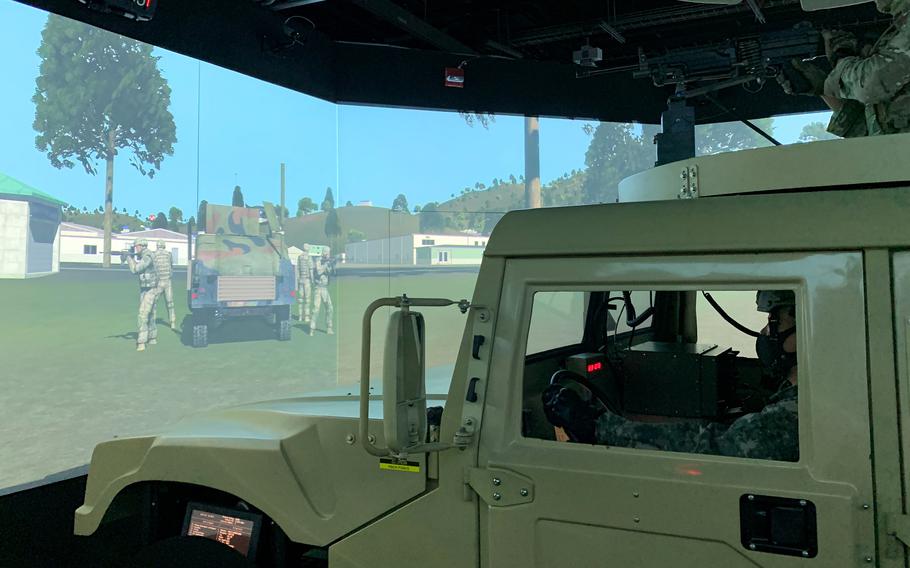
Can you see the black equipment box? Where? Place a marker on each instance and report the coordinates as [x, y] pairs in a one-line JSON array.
[[689, 380]]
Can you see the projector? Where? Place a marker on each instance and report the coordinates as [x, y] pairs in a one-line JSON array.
[[587, 56]]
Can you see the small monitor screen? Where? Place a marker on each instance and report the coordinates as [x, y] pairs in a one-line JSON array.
[[234, 528]]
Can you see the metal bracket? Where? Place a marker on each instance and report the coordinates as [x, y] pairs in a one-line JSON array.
[[500, 487], [465, 434], [898, 526], [688, 183]]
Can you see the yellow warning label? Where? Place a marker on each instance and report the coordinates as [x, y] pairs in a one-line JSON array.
[[395, 465]]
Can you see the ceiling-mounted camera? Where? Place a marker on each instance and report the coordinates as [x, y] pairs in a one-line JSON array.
[[141, 10], [587, 56]]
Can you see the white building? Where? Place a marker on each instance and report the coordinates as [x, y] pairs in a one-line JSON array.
[[403, 250], [29, 230], [84, 244]]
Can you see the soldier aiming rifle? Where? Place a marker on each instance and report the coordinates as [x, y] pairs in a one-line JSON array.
[[142, 262]]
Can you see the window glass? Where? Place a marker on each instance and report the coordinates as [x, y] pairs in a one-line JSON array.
[[557, 320], [687, 381]]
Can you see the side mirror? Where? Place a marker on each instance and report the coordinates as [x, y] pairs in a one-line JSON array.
[[404, 399]]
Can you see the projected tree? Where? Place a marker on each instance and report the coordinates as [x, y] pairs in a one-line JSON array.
[[98, 94]]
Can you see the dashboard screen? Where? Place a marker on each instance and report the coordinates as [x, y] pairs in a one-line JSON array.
[[236, 529]]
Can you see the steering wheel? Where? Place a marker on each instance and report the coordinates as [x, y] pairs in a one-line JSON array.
[[565, 409]]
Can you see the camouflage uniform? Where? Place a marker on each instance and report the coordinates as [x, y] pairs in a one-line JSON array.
[[875, 89], [771, 434], [164, 264], [304, 285], [321, 271], [144, 266]]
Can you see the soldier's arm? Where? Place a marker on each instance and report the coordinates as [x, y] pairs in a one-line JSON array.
[[848, 121], [876, 78], [141, 265], [614, 430], [772, 434]]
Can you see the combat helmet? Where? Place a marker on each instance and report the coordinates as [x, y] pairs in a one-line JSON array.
[[767, 300], [161, 244], [141, 242]]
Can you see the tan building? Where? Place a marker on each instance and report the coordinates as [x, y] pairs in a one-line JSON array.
[[84, 244], [403, 250]]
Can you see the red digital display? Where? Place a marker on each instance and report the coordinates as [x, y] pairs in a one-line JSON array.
[[592, 367]]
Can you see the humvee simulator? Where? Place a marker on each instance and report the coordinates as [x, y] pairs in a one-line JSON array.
[[239, 268], [360, 483]]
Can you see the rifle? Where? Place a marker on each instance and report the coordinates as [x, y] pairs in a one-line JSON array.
[[732, 62]]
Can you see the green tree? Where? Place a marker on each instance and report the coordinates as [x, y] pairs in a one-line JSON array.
[[237, 197], [97, 94], [329, 201], [160, 221], [431, 219], [305, 206], [332, 227], [616, 152], [348, 203], [400, 204], [417, 209], [174, 214], [815, 131], [731, 136]]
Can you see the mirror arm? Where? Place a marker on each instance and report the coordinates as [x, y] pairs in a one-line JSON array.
[[365, 376], [402, 302]]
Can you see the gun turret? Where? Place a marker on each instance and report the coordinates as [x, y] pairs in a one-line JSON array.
[[732, 62]]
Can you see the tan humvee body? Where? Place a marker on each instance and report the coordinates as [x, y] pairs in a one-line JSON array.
[[511, 501]]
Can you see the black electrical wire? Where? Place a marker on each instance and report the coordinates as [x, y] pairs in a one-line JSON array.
[[727, 317], [631, 320]]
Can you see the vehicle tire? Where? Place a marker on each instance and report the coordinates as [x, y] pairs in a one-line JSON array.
[[284, 330], [200, 335]]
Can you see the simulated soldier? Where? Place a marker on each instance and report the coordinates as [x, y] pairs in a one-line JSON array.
[[143, 264], [322, 270], [304, 284], [164, 265], [868, 89], [772, 433]]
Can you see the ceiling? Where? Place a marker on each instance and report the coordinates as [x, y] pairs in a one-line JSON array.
[[517, 56]]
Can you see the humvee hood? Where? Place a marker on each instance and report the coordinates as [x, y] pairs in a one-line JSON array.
[[292, 459]]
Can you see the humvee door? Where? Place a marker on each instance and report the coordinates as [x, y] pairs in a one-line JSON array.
[[553, 502]]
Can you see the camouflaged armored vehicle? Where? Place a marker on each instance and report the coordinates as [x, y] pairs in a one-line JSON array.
[[240, 268]]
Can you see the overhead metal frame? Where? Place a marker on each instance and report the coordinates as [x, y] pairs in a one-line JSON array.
[[241, 36]]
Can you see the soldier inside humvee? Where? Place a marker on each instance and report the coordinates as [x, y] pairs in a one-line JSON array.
[[655, 388]]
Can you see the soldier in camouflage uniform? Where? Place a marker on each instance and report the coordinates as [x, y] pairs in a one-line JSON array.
[[770, 434], [164, 265], [869, 89], [143, 264], [304, 284], [321, 271]]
